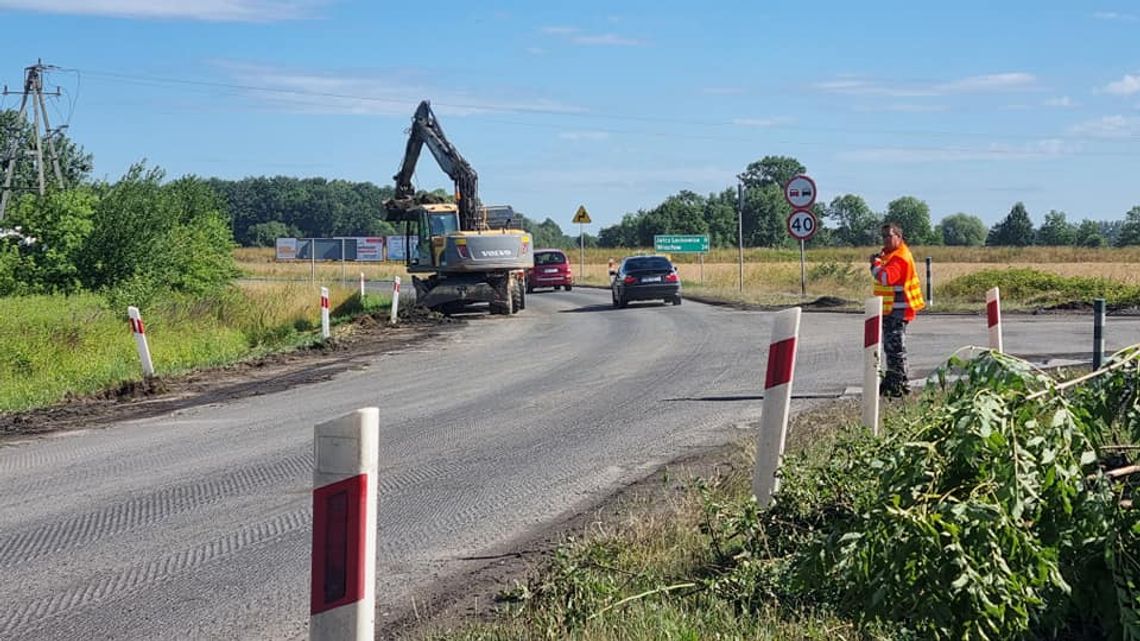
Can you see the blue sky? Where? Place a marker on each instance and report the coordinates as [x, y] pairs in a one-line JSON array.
[[970, 105]]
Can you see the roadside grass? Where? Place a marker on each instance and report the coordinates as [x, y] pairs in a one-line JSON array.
[[997, 505], [656, 545], [55, 347]]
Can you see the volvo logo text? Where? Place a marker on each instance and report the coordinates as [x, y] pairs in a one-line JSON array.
[[492, 253]]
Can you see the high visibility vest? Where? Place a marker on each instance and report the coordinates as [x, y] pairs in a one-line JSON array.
[[908, 295]]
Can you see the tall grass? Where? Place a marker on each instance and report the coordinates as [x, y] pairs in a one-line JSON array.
[[54, 346]]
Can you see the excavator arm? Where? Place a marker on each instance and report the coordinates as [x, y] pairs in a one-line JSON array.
[[426, 130]]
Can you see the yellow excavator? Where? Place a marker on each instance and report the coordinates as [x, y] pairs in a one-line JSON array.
[[458, 253]]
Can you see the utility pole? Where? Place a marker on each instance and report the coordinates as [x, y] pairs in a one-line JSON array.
[[740, 229], [33, 93]]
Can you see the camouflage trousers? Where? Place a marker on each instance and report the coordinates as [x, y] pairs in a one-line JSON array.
[[896, 381]]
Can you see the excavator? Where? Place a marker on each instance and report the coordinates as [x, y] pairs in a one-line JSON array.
[[463, 252]]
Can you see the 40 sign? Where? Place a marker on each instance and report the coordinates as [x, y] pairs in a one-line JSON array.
[[802, 224]]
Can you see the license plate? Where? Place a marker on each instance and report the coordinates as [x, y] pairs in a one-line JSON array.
[[651, 279], [551, 270]]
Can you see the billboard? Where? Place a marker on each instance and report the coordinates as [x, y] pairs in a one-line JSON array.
[[370, 249], [286, 249], [397, 249]]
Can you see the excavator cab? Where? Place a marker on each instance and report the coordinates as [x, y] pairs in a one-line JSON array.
[[434, 224]]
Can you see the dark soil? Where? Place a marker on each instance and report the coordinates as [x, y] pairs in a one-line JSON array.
[[351, 348]]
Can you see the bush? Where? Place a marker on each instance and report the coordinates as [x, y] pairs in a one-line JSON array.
[[1029, 286]]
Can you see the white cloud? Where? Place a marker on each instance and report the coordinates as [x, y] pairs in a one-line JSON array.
[[1060, 102], [208, 10], [722, 91], [1113, 15], [989, 83], [584, 135], [626, 178], [577, 36], [1047, 148], [762, 123], [377, 93], [1109, 127], [1126, 86], [903, 107]]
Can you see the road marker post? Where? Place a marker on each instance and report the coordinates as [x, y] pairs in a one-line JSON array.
[[929, 283], [342, 602], [139, 330], [993, 318], [777, 401], [1098, 333], [872, 358], [395, 300], [325, 313], [361, 285]]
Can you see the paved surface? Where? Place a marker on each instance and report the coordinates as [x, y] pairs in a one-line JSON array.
[[196, 525]]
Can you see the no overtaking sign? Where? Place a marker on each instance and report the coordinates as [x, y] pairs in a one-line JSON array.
[[800, 192]]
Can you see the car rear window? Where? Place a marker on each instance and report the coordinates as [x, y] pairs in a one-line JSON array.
[[549, 258], [649, 262]]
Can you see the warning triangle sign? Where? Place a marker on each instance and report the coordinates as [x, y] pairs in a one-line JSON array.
[[582, 216]]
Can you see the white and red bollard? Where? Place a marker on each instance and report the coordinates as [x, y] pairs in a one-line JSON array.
[[993, 318], [777, 401], [139, 330], [325, 313], [361, 285], [343, 581], [395, 299], [872, 358]]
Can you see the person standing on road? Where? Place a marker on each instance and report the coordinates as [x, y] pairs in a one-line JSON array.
[[896, 281]]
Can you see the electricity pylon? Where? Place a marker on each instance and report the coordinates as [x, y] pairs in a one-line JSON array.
[[17, 147]]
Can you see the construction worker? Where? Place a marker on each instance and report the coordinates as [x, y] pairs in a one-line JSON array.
[[896, 281]]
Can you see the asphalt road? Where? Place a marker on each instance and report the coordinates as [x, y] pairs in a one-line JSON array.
[[197, 524]]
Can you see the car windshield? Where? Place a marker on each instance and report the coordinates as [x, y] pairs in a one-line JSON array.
[[549, 258], [649, 262]]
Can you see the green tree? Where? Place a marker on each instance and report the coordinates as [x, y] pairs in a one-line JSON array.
[[963, 230], [1015, 230], [855, 223], [913, 215], [771, 171], [150, 237], [765, 210], [1130, 230], [266, 234], [1055, 231], [1089, 234], [59, 223]]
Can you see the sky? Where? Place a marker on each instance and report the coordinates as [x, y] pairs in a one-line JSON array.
[[970, 106]]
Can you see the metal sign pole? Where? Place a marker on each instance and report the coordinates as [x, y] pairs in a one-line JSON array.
[[702, 259], [581, 251], [803, 273], [740, 229]]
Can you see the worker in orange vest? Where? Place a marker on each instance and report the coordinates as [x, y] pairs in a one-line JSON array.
[[896, 281]]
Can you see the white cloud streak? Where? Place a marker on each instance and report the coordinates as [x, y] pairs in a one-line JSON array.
[[1115, 16], [760, 123], [584, 135], [204, 10], [1060, 102], [1126, 86], [1108, 127], [577, 36], [383, 93], [989, 83], [1041, 149]]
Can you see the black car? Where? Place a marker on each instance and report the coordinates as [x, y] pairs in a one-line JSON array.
[[645, 278]]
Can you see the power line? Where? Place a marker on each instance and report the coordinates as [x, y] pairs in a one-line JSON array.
[[562, 113]]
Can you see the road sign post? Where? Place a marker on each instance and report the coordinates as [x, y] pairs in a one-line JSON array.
[[582, 217], [800, 193]]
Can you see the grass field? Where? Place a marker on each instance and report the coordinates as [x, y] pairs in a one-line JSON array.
[[772, 277], [54, 347]]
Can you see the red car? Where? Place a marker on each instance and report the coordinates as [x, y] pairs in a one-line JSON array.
[[551, 269]]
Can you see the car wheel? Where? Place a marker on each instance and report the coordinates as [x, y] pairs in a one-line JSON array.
[[529, 288], [677, 299], [566, 287], [614, 296]]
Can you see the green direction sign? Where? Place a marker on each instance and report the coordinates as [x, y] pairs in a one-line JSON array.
[[682, 243]]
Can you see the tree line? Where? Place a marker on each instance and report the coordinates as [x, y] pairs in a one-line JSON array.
[[847, 219]]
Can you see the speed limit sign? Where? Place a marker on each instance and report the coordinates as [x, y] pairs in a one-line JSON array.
[[802, 224]]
